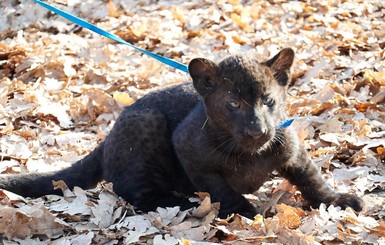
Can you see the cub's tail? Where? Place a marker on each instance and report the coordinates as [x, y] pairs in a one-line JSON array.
[[85, 173]]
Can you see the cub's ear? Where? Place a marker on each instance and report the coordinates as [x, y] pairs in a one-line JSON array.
[[281, 64], [203, 73]]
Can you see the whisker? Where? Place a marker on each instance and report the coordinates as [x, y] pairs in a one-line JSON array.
[[220, 145], [244, 101], [204, 124]]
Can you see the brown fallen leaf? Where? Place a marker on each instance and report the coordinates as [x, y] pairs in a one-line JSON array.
[[60, 184], [122, 98], [289, 217], [380, 96], [380, 230], [29, 221], [375, 78]]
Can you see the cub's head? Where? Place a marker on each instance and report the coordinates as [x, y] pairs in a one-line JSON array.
[[244, 98]]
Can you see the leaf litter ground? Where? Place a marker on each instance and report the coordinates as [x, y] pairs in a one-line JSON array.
[[62, 88]]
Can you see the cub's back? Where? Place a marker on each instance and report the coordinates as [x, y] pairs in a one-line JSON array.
[[174, 102]]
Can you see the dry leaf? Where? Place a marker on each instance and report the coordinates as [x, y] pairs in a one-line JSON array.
[[122, 98], [289, 217]]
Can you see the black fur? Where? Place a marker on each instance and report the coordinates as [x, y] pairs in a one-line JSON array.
[[217, 135]]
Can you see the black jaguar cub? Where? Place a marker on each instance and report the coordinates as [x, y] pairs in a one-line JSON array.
[[218, 134]]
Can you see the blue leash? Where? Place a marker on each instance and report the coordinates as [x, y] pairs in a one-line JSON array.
[[102, 32], [111, 36]]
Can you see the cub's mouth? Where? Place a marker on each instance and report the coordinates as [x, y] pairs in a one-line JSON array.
[[256, 143]]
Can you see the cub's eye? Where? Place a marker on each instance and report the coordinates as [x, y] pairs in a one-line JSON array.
[[234, 104], [268, 101]]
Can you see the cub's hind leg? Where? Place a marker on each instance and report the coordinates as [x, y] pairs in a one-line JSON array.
[[141, 163]]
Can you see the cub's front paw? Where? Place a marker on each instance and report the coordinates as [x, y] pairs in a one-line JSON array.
[[348, 200], [248, 211]]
